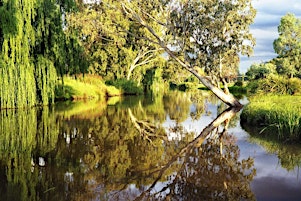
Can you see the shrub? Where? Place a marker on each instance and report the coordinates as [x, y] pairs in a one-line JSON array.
[[276, 84], [128, 87], [294, 86], [239, 83], [112, 91]]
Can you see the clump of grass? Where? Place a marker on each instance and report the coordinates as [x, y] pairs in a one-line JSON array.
[[84, 87], [275, 113], [112, 91]]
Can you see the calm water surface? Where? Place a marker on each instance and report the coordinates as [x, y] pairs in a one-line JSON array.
[[167, 147]]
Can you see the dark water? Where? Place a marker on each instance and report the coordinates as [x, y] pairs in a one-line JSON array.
[[167, 147]]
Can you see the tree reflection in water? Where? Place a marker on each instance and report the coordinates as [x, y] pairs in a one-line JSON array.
[[120, 153], [208, 169]]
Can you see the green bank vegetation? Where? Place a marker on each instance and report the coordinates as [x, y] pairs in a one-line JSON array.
[[84, 87], [275, 113], [275, 86]]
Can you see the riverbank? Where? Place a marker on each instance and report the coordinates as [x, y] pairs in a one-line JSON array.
[[84, 87], [273, 114]]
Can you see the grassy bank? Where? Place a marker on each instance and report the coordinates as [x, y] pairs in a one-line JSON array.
[[87, 87], [273, 114]]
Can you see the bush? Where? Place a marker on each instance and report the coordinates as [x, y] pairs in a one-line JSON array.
[[112, 91], [294, 86], [238, 89], [84, 87], [275, 84], [78, 89], [239, 83], [128, 87]]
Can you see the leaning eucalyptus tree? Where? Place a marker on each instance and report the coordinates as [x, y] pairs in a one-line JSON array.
[[199, 34]]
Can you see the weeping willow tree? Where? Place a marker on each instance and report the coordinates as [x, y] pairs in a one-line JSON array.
[[33, 48]]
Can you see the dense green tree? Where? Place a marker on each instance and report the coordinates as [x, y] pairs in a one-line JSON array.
[[288, 45], [33, 48], [260, 71], [105, 35]]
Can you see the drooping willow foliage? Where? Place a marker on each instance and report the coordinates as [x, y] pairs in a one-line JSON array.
[[25, 135], [33, 49]]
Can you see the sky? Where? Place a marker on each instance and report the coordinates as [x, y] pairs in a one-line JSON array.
[[264, 29]]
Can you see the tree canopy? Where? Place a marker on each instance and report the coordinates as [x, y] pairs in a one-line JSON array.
[[288, 45], [107, 37]]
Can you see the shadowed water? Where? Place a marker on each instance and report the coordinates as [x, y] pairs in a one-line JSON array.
[[176, 146]]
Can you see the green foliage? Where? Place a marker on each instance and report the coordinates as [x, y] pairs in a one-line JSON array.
[[259, 71], [239, 83], [112, 91], [45, 75], [128, 87], [85, 87], [219, 30], [275, 84], [107, 38], [32, 47], [238, 90], [288, 45], [275, 113]]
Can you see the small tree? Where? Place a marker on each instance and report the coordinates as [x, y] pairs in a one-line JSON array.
[[288, 45], [259, 71]]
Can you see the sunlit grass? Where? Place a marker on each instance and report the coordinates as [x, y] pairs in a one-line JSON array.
[[88, 87], [279, 113]]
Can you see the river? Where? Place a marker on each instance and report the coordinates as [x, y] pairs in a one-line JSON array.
[[173, 146]]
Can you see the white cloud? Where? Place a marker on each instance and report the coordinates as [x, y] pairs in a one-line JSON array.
[[277, 7], [264, 29]]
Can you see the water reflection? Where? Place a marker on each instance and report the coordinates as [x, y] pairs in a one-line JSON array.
[[207, 168], [289, 157], [95, 151]]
